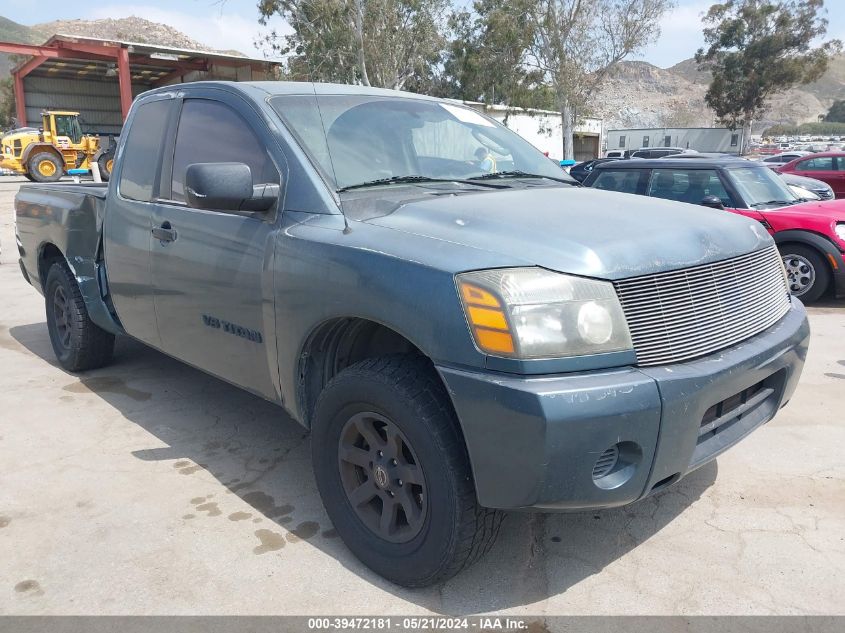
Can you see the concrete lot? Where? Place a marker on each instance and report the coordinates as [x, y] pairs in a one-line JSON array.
[[149, 487]]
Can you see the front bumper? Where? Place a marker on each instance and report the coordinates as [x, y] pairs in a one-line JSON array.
[[534, 442]]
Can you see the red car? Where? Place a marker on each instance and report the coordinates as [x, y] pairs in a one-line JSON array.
[[827, 166], [809, 235]]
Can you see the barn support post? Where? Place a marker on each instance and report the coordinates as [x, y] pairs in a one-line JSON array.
[[124, 80], [20, 100]]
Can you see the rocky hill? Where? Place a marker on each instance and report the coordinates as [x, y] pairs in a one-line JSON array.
[[639, 94], [132, 29]]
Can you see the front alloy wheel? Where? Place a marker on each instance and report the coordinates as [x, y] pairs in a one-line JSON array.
[[381, 477], [394, 474], [807, 273], [800, 273]]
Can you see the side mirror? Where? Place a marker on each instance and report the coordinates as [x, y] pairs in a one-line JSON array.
[[228, 187], [714, 202]]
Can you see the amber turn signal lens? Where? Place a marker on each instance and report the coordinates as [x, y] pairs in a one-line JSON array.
[[473, 295], [487, 320], [494, 341]]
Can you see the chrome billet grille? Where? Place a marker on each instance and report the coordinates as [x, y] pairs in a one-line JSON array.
[[684, 314]]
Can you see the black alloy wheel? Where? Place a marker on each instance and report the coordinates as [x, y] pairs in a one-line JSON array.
[[381, 477]]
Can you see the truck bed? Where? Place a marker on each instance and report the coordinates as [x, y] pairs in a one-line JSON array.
[[67, 217]]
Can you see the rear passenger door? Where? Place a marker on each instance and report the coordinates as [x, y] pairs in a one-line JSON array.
[[131, 201], [212, 275]]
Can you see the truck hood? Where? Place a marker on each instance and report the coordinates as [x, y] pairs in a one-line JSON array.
[[580, 231]]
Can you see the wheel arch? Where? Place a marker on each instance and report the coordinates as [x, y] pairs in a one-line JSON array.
[[47, 252], [827, 249], [338, 343], [34, 148]]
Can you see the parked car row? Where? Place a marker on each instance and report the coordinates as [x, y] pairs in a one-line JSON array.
[[647, 152], [810, 235]]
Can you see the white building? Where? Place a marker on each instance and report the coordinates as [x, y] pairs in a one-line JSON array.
[[701, 139], [543, 129]]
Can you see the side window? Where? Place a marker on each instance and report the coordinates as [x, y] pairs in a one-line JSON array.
[[621, 180], [840, 163], [734, 140], [68, 126], [687, 185], [667, 141], [622, 141], [142, 152], [212, 132], [822, 163], [645, 141]]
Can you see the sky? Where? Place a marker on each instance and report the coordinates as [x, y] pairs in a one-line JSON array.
[[233, 24]]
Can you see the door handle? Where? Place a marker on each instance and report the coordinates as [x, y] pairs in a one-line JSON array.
[[164, 233]]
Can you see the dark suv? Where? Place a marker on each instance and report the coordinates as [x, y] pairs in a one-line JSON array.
[[809, 235]]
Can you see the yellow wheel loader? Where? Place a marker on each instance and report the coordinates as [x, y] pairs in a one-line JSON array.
[[59, 147]]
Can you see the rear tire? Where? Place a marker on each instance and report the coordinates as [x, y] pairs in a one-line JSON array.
[[79, 344], [45, 167], [807, 271], [105, 164], [434, 526]]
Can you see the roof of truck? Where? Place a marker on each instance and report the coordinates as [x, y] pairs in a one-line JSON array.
[[273, 88]]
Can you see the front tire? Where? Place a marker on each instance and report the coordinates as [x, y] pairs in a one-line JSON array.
[[45, 167], [807, 273], [79, 344], [394, 474]]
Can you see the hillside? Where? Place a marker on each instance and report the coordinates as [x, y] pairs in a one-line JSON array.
[[14, 32], [639, 94], [132, 29]]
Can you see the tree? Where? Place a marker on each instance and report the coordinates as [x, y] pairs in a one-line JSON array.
[[757, 48], [383, 43], [836, 114], [576, 43], [7, 103], [487, 58]]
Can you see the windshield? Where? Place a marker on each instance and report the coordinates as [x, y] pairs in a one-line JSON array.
[[356, 139], [760, 186]]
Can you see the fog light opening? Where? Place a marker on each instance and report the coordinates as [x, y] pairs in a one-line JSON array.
[[616, 465]]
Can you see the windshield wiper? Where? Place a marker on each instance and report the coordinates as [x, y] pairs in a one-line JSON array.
[[515, 173], [393, 180], [786, 202]]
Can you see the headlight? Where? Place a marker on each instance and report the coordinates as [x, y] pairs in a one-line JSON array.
[[534, 313], [840, 231]]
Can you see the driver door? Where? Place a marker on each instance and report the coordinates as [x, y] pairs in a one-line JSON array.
[[211, 269]]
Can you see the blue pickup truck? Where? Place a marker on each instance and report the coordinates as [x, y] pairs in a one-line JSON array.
[[463, 328]]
